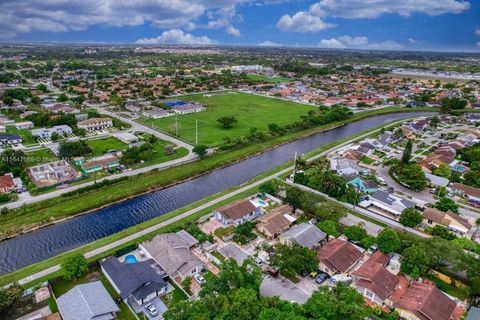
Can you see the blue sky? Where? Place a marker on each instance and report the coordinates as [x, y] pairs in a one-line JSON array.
[[452, 25]]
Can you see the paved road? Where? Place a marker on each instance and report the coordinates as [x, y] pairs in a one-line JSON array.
[[153, 228]]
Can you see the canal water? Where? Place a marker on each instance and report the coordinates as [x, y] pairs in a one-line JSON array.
[[53, 240]]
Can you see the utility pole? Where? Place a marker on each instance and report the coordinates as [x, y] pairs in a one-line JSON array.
[[294, 167], [176, 124], [196, 132]]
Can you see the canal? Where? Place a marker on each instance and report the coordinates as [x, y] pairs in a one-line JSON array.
[[53, 240]]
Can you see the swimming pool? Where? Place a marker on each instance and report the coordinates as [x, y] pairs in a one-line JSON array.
[[263, 203], [459, 168], [131, 259]]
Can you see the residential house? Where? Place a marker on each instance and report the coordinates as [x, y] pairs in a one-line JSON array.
[[188, 108], [237, 212], [469, 192], [95, 124], [172, 251], [458, 225], [100, 163], [373, 280], [138, 282], [422, 301], [44, 133], [6, 183], [53, 173], [305, 234], [387, 203], [437, 181], [126, 137], [156, 113], [276, 221], [338, 256], [9, 139], [361, 185], [24, 125], [88, 301], [366, 148], [345, 167], [61, 108], [443, 155]]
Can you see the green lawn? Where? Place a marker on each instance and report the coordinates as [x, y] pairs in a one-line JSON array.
[[251, 112], [25, 134], [40, 156], [104, 145], [260, 78]]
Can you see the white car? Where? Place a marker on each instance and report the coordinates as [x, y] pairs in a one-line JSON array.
[[152, 310], [199, 278]]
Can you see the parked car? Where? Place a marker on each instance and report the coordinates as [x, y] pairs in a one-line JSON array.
[[200, 279], [152, 310], [271, 271], [381, 181], [322, 277]]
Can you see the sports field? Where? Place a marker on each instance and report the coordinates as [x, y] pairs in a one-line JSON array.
[[250, 111], [262, 78]]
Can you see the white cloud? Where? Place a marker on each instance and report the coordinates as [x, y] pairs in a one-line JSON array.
[[268, 43], [358, 43], [233, 31], [176, 36], [477, 31], [22, 16], [331, 43], [412, 41], [353, 41], [313, 18], [478, 44], [354, 9], [302, 22]]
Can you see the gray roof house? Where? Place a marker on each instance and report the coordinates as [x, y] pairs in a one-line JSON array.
[[304, 234], [390, 203], [89, 301], [172, 251], [345, 166], [142, 281]]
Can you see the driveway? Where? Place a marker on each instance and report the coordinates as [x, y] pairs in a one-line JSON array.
[[157, 303], [233, 251], [284, 289]]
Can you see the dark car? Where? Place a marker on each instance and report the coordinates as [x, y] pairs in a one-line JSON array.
[[321, 277], [271, 271]]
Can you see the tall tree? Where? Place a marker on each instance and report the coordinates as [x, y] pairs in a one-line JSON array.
[[74, 266], [388, 241], [410, 217], [407, 153]]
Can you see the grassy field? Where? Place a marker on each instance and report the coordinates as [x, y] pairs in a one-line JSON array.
[[260, 78], [104, 145], [40, 156], [25, 134], [107, 194], [251, 111]]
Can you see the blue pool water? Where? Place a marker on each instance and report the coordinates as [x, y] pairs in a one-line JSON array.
[[131, 259], [459, 168], [262, 202]]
